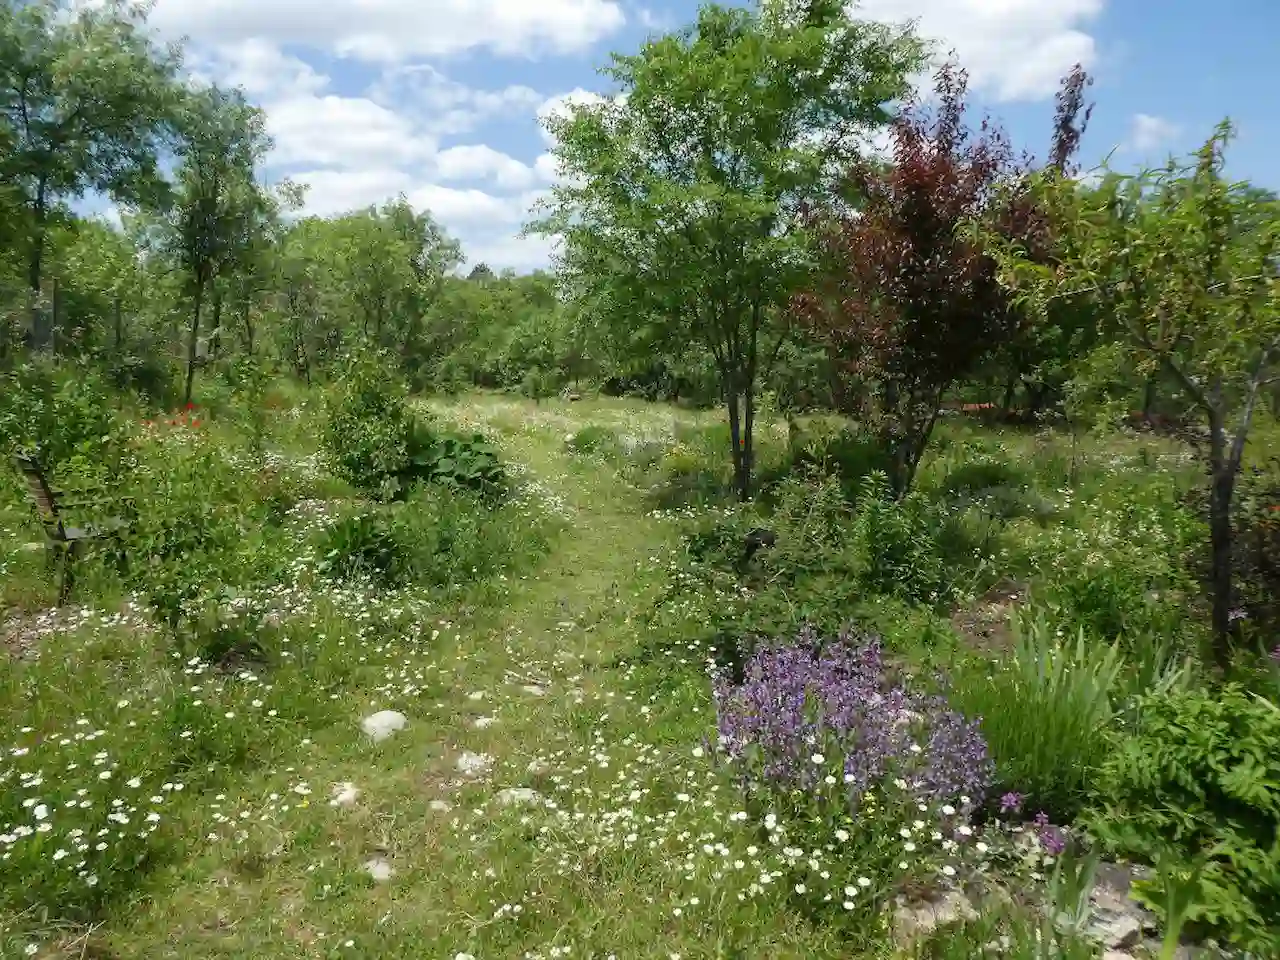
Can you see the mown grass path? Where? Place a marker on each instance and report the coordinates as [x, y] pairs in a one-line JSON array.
[[479, 878]]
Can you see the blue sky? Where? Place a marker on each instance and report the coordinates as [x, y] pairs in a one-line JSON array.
[[440, 99]]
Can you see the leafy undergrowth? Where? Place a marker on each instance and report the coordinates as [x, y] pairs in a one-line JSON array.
[[560, 787]]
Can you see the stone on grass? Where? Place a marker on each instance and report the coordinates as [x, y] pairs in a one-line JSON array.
[[474, 764], [916, 921], [481, 722], [538, 767], [383, 724], [379, 868], [518, 796], [344, 795], [534, 690], [440, 806]]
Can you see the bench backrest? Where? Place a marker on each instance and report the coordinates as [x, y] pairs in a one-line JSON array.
[[42, 495]]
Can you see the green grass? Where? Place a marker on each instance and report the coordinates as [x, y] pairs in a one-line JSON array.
[[249, 858]]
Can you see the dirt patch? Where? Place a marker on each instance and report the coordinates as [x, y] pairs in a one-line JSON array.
[[986, 624]]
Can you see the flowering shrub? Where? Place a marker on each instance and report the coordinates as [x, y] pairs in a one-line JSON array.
[[885, 776]]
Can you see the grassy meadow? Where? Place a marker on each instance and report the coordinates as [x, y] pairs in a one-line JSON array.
[[199, 784]]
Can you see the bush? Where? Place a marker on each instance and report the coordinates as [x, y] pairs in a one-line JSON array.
[[437, 537], [61, 413], [592, 439], [850, 456], [897, 546], [833, 756], [368, 426], [366, 546], [1194, 789], [382, 448], [1045, 712]]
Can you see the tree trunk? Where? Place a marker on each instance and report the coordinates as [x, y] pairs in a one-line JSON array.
[[55, 308], [1148, 397], [1010, 386], [40, 328], [735, 441], [1221, 487], [192, 341], [119, 327], [248, 327], [215, 334], [748, 443]]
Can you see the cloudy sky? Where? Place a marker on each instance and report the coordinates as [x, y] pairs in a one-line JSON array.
[[440, 99]]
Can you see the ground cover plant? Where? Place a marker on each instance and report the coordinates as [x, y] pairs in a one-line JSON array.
[[766, 581]]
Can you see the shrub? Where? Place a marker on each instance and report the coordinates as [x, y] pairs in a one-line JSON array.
[[365, 546], [382, 448], [437, 537], [978, 476], [368, 426], [896, 541], [61, 414], [592, 439], [1045, 712], [1194, 788], [850, 456], [843, 760]]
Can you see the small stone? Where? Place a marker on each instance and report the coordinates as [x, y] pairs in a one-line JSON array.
[[383, 724], [474, 764], [534, 690], [344, 795], [481, 723], [912, 922], [518, 796], [476, 695], [379, 869], [538, 767], [440, 806], [1117, 922]]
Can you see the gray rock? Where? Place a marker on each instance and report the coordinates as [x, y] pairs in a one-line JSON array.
[[475, 764], [519, 796], [379, 868], [1117, 922], [344, 795], [383, 724], [916, 920]]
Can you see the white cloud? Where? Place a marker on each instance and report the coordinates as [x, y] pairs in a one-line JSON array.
[[446, 106], [1148, 133], [390, 31], [1013, 49], [479, 161], [264, 70]]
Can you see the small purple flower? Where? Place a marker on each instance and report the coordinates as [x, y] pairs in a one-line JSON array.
[[1042, 819], [1275, 656], [1011, 802], [1053, 840]]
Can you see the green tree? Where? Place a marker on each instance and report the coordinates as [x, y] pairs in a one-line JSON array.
[[85, 100], [219, 206], [681, 196], [1184, 264]]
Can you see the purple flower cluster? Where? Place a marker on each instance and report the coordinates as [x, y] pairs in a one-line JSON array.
[[796, 705]]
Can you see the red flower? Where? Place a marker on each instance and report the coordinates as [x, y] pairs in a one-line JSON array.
[[195, 423], [191, 406]]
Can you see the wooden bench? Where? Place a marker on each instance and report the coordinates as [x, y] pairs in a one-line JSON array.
[[64, 540]]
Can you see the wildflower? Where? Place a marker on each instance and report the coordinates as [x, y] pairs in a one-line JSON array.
[[1011, 802]]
